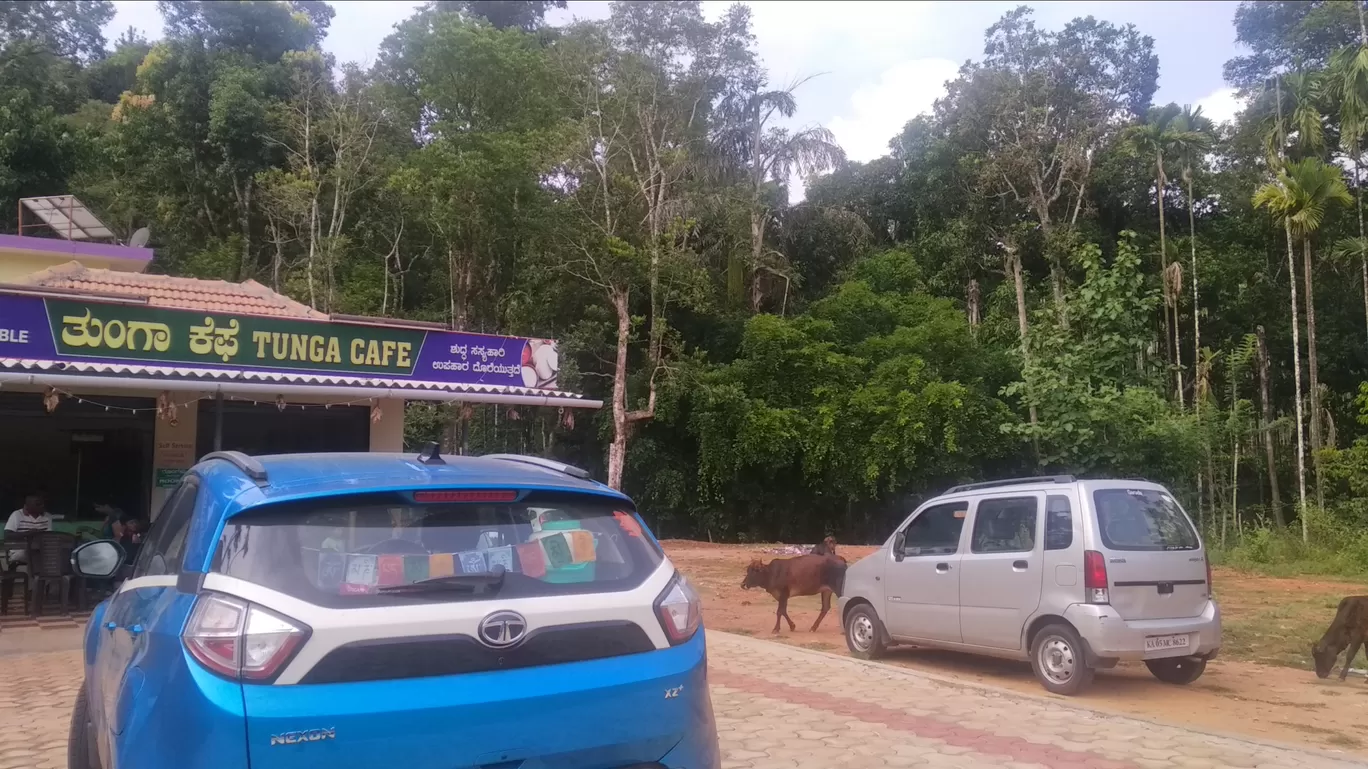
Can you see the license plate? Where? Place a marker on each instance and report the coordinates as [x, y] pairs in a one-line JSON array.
[[1159, 643]]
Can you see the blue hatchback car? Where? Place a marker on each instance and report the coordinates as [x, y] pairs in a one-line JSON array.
[[373, 610]]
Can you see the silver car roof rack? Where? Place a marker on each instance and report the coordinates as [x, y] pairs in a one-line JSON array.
[[549, 464], [1011, 482], [249, 466]]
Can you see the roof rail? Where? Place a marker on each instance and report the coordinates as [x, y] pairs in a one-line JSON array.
[[249, 466], [549, 464], [1011, 482]]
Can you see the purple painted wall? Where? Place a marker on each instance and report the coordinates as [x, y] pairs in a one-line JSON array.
[[75, 248]]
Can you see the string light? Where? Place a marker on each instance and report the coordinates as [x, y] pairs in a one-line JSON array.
[[52, 393]]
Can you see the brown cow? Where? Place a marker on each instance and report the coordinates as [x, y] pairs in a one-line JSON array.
[[825, 547], [1349, 629], [801, 575]]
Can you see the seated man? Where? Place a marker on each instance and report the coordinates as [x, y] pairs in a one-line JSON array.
[[114, 520], [33, 516]]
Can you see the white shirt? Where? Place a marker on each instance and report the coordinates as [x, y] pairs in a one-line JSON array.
[[22, 521]]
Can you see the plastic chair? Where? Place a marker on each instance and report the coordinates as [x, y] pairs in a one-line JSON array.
[[10, 576], [49, 564]]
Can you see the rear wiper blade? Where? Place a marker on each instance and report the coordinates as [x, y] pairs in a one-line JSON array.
[[476, 581]]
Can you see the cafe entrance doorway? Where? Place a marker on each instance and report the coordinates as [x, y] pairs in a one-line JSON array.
[[84, 450]]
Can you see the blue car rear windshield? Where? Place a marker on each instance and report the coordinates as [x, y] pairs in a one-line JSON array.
[[1142, 519], [352, 552]]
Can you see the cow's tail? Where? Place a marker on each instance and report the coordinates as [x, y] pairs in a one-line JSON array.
[[833, 574]]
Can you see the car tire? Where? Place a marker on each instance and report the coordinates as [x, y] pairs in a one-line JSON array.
[[80, 751], [1058, 660], [864, 633], [1177, 670]]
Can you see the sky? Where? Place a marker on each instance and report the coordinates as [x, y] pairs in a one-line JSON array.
[[872, 65]]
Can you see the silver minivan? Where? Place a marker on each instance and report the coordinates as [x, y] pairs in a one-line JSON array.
[[1072, 575]]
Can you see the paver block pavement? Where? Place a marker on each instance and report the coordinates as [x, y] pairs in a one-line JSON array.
[[890, 716], [780, 707]]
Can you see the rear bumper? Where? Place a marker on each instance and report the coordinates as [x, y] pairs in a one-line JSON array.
[[1111, 639], [621, 711]]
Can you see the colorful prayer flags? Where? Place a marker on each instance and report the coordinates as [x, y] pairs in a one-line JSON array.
[[473, 562], [532, 560], [391, 570], [441, 565]]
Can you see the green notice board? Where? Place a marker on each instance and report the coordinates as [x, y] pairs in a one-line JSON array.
[[168, 477]]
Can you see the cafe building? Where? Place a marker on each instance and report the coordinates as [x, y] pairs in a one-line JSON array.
[[114, 381]]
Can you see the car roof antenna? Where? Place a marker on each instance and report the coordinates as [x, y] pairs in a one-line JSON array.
[[429, 455]]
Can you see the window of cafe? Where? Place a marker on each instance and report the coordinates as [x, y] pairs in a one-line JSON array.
[[77, 456]]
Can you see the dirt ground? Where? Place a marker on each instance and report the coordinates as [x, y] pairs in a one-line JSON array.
[[1262, 686]]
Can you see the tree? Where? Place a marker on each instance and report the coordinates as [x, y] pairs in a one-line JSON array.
[[1300, 197], [1191, 139], [1040, 106], [1153, 138], [769, 153], [642, 87], [1282, 34], [72, 29], [1349, 84], [1315, 187], [527, 15], [1098, 410]]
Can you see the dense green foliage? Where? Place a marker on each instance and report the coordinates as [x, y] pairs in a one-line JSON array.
[[1048, 272]]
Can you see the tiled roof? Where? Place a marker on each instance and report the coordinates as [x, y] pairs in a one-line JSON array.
[[220, 296]]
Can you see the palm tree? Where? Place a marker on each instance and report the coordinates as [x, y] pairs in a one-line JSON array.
[[1307, 91], [771, 154], [1276, 197], [1153, 138], [1317, 186], [1349, 84], [1191, 138], [1302, 195]]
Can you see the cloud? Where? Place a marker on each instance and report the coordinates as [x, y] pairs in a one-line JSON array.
[[879, 110], [1221, 105]]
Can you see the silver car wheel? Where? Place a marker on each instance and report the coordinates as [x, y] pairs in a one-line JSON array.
[[862, 632], [1057, 660]]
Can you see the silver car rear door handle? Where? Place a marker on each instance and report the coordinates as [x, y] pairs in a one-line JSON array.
[[1020, 565], [941, 568]]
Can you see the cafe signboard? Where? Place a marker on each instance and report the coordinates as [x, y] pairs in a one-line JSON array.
[[39, 328]]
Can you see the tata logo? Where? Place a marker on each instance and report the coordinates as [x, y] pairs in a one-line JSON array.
[[306, 736], [502, 629]]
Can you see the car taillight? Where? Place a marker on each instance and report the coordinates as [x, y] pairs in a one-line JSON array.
[[1095, 577], [680, 610], [477, 495], [1211, 589], [238, 639]]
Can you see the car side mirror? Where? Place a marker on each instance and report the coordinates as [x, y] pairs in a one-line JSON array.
[[100, 559], [899, 541]]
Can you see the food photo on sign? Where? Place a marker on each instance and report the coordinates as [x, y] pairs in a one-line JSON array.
[[540, 364]]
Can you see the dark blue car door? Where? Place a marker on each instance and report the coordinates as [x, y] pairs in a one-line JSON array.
[[137, 620]]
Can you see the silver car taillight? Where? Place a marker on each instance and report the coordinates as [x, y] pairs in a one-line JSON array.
[[238, 639]]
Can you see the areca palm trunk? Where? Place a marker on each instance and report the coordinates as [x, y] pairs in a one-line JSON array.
[[1358, 207], [1019, 283], [1266, 427], [1296, 380], [1192, 238], [1312, 366], [1163, 260]]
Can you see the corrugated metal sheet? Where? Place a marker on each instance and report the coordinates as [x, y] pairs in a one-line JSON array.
[[210, 375]]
